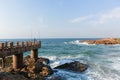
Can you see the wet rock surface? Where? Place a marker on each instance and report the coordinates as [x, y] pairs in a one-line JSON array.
[[73, 66]]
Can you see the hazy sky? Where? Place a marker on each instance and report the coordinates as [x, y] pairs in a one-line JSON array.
[[59, 18]]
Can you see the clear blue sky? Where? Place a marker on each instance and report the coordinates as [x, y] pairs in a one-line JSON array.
[[59, 18]]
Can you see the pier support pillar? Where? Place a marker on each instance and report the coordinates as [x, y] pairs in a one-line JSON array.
[[34, 53], [18, 61], [3, 62]]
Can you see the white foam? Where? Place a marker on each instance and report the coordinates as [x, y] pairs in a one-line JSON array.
[[78, 42], [60, 62], [105, 69], [55, 64], [50, 57], [71, 75], [53, 57]]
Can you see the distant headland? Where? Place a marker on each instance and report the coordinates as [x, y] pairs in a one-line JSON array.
[[106, 41]]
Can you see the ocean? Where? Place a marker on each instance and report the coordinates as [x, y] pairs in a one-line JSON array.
[[103, 60]]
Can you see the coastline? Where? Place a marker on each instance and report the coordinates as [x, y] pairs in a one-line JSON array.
[[37, 69], [105, 41]]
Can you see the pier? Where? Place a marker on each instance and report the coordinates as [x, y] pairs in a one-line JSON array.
[[16, 50]]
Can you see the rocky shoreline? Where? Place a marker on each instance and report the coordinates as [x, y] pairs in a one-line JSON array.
[[105, 41], [37, 69]]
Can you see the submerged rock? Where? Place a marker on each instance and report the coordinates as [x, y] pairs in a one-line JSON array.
[[74, 66]]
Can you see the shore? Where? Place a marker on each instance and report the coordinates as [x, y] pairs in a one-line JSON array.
[[106, 41], [37, 69]]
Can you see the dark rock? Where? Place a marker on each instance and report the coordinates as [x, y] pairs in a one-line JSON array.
[[8, 76], [55, 78], [43, 60], [74, 66], [46, 71], [27, 57]]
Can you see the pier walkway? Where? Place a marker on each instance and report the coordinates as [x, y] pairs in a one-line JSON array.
[[16, 50]]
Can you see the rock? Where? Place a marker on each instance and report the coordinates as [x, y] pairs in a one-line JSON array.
[[46, 71], [74, 66], [32, 75], [56, 78], [44, 60], [26, 57], [7, 69], [8, 76], [40, 78], [29, 61], [106, 41], [36, 67], [33, 69]]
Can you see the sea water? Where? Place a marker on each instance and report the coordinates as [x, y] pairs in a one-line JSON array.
[[103, 60]]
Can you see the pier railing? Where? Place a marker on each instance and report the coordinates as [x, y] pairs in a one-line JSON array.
[[17, 49]]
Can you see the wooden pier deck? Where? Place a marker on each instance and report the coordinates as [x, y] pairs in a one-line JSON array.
[[17, 49]]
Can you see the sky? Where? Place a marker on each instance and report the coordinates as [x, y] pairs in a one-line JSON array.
[[59, 18]]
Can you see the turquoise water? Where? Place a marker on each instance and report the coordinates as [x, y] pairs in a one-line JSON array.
[[103, 60]]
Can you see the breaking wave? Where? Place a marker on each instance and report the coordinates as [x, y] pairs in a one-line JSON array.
[[78, 42], [103, 61]]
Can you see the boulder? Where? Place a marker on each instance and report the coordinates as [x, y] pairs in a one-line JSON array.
[[43, 60], [46, 71], [73, 66], [35, 67]]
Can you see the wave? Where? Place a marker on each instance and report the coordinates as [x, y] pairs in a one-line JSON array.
[[106, 67], [66, 75], [50, 57], [67, 57], [60, 62], [96, 71], [101, 72], [78, 42]]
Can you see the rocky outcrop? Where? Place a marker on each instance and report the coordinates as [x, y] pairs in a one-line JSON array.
[[38, 69], [107, 41], [9, 76], [73, 66], [33, 69]]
